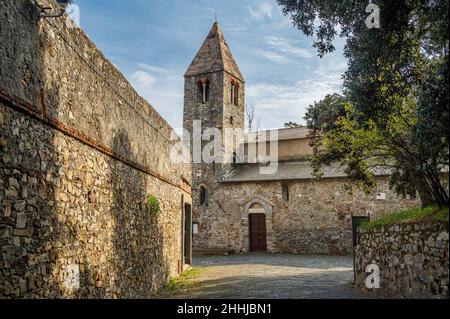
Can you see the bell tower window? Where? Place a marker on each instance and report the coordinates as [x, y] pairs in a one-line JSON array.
[[203, 90], [202, 195], [234, 93]]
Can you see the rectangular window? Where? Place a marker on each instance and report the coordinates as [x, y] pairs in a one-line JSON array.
[[381, 196], [285, 187], [195, 227], [202, 195]]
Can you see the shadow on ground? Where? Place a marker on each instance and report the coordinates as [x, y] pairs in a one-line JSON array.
[[273, 277]]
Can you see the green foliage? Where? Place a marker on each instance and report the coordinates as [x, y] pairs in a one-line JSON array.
[[430, 214], [291, 125], [396, 91], [181, 284], [153, 206], [324, 113]]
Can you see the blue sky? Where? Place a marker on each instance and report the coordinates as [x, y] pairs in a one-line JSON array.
[[153, 42]]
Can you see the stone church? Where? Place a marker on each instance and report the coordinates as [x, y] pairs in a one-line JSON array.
[[238, 209]]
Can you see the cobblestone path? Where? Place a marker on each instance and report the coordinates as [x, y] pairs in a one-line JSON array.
[[274, 276]]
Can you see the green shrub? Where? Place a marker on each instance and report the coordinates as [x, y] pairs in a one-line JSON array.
[[412, 215], [153, 206]]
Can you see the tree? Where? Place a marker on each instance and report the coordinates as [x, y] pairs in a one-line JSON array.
[[258, 125], [291, 125], [250, 116], [324, 113], [396, 91]]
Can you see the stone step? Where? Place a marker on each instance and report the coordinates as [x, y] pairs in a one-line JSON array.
[[214, 252]]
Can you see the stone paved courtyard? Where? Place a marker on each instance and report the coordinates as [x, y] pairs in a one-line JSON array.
[[274, 276]]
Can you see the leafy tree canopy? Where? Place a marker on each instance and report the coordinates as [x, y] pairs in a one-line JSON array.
[[394, 111]]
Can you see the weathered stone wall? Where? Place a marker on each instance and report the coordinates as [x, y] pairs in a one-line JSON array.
[[79, 153], [412, 258], [315, 220]]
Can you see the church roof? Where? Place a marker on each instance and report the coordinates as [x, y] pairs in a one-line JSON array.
[[282, 134], [214, 56], [300, 170]]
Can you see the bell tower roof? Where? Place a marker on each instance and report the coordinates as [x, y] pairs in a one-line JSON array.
[[214, 56]]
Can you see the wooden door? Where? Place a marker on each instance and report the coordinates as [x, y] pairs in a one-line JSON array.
[[258, 235], [187, 234]]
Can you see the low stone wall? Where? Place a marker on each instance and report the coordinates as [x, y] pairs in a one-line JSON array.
[[329, 241], [412, 259]]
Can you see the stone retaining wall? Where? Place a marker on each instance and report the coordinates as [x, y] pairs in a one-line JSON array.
[[79, 152], [412, 259]]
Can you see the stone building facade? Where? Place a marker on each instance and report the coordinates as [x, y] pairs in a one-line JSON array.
[[235, 207], [80, 151]]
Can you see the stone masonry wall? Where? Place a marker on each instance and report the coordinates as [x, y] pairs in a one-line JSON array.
[[315, 220], [79, 153], [412, 258]]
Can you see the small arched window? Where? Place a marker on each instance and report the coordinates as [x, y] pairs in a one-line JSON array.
[[231, 120], [203, 87], [202, 195], [234, 93], [234, 159]]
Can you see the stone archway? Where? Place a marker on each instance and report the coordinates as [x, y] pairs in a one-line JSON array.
[[257, 205]]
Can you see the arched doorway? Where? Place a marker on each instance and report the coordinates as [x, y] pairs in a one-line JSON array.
[[257, 225]]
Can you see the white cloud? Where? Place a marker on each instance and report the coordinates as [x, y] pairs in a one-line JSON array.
[[153, 68], [142, 81], [163, 89], [286, 98], [234, 30], [284, 45], [264, 10], [277, 104], [273, 56], [282, 51]]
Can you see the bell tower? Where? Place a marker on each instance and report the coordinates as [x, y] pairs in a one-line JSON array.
[[214, 95]]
